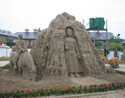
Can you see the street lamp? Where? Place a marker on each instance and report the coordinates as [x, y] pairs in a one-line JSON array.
[[6, 49]]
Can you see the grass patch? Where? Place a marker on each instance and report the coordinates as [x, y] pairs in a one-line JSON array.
[[5, 67], [120, 72], [4, 58]]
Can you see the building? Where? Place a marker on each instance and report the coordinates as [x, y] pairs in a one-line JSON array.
[[29, 37], [101, 36], [7, 37]]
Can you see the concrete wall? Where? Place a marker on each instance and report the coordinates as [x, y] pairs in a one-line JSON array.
[[111, 55]]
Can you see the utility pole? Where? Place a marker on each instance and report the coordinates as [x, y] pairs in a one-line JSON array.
[[6, 45], [94, 32], [106, 31]]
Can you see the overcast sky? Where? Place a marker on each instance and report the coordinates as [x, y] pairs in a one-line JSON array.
[[17, 15]]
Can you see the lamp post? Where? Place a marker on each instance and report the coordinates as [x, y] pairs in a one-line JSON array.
[[6, 49], [106, 31], [94, 33]]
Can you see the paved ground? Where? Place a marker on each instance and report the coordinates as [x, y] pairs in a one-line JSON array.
[[2, 63], [121, 67]]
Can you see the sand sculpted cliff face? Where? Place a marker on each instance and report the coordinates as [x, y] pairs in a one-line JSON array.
[[123, 56], [65, 47]]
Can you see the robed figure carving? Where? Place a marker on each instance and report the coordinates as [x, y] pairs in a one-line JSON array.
[[72, 53]]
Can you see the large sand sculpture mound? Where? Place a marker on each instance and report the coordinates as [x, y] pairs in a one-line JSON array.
[[53, 53], [52, 57]]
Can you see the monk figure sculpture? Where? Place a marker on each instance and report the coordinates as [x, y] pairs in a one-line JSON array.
[[72, 53]]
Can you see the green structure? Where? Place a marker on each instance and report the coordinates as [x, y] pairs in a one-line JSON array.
[[97, 23], [91, 23], [105, 49]]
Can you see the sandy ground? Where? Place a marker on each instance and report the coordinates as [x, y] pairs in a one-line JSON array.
[[10, 82], [13, 82]]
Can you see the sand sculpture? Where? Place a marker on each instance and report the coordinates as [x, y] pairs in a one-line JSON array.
[[21, 61], [65, 49], [123, 56]]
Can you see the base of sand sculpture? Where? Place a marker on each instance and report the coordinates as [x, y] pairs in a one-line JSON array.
[[123, 56], [13, 82]]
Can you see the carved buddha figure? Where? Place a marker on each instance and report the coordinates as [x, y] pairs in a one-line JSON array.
[[72, 53]]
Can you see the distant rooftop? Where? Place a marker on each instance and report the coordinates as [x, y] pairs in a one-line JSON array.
[[6, 33], [98, 35], [101, 35], [27, 35]]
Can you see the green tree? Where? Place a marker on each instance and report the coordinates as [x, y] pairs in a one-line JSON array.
[[116, 47], [98, 43], [0, 42], [118, 35], [115, 40], [116, 43]]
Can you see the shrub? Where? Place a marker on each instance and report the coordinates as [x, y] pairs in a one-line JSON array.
[[61, 91]]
